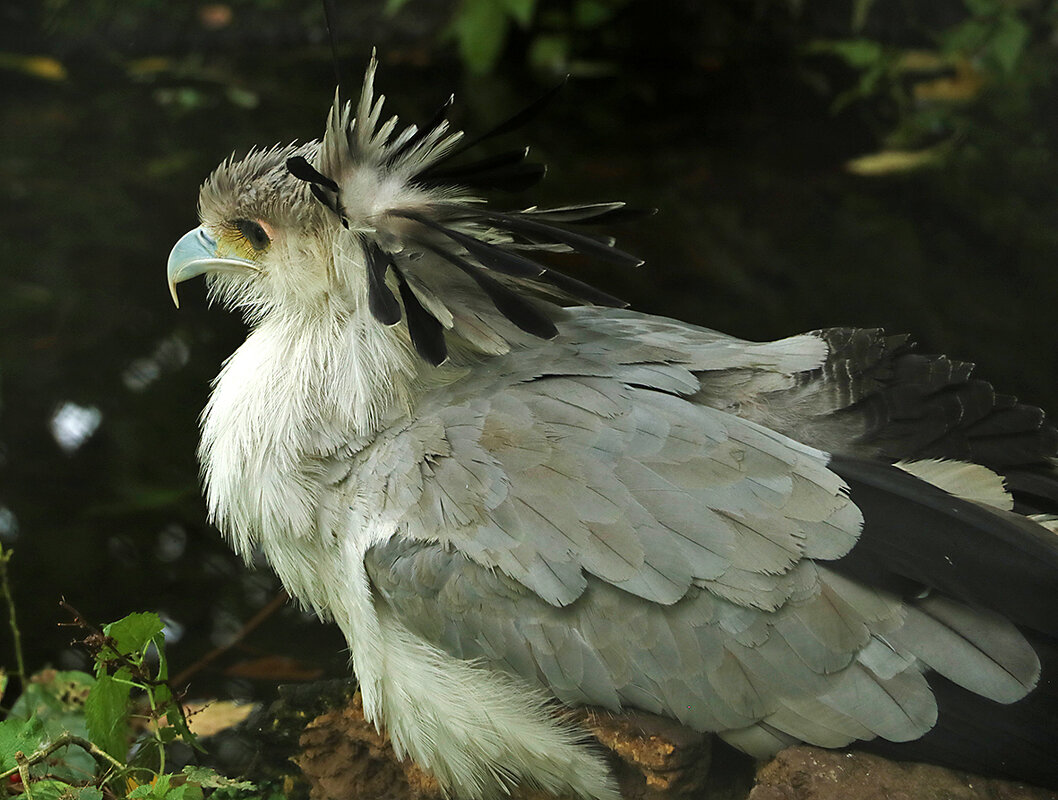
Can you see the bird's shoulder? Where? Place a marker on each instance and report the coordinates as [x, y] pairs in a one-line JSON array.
[[597, 454]]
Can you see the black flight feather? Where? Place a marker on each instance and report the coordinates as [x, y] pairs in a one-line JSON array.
[[301, 169], [1035, 490], [533, 229], [469, 170], [427, 334], [512, 123], [914, 406], [491, 256], [511, 178], [588, 245], [509, 303], [380, 299], [504, 171], [914, 533], [503, 261], [328, 201], [331, 16], [591, 214], [582, 290]]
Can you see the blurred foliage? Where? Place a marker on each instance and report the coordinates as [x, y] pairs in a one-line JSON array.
[[83, 23], [997, 52], [36, 66], [481, 29]]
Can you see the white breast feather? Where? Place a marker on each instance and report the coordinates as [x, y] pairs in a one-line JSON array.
[[282, 403], [290, 395]]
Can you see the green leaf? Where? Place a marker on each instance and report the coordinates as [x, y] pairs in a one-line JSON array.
[[592, 13], [967, 38], [57, 700], [393, 6], [211, 779], [90, 793], [106, 713], [480, 27], [1008, 42], [520, 10], [550, 52], [53, 790], [857, 53], [163, 789], [243, 98], [158, 789], [173, 713], [19, 734], [163, 669], [186, 792], [167, 734], [53, 692], [860, 10], [983, 8], [132, 633]]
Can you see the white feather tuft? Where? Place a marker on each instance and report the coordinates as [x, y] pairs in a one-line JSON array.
[[962, 479], [296, 390]]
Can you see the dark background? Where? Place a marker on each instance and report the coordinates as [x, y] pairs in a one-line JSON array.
[[737, 120]]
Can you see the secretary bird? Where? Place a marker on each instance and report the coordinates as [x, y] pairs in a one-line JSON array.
[[512, 494]]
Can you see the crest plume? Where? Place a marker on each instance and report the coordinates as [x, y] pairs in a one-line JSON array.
[[456, 264]]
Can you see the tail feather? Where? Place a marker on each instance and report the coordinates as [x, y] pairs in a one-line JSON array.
[[1021, 739], [918, 537]]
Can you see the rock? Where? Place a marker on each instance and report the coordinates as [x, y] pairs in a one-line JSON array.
[[810, 773], [320, 727], [341, 755], [653, 757]]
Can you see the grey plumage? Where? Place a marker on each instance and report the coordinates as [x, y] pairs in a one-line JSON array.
[[501, 499]]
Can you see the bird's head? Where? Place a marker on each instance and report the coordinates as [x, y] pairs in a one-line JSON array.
[[377, 219], [263, 241]]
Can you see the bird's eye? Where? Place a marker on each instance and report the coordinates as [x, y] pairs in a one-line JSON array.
[[253, 232]]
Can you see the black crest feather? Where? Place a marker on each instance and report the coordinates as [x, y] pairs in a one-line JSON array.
[[497, 250]]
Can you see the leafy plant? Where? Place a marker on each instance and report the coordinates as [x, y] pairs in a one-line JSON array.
[[70, 734]]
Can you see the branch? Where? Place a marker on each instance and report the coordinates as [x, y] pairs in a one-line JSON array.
[[64, 740], [274, 605], [5, 589]]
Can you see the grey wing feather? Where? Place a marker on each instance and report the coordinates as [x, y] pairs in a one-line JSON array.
[[580, 515], [642, 488], [978, 650], [751, 674]]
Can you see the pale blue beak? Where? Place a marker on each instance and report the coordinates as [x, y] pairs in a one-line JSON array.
[[196, 254]]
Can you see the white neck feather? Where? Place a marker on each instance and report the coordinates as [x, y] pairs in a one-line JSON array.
[[296, 390]]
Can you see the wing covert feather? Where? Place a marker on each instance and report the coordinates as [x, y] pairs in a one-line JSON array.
[[703, 660], [577, 516], [551, 476]]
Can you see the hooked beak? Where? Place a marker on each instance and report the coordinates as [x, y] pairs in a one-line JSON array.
[[196, 254]]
